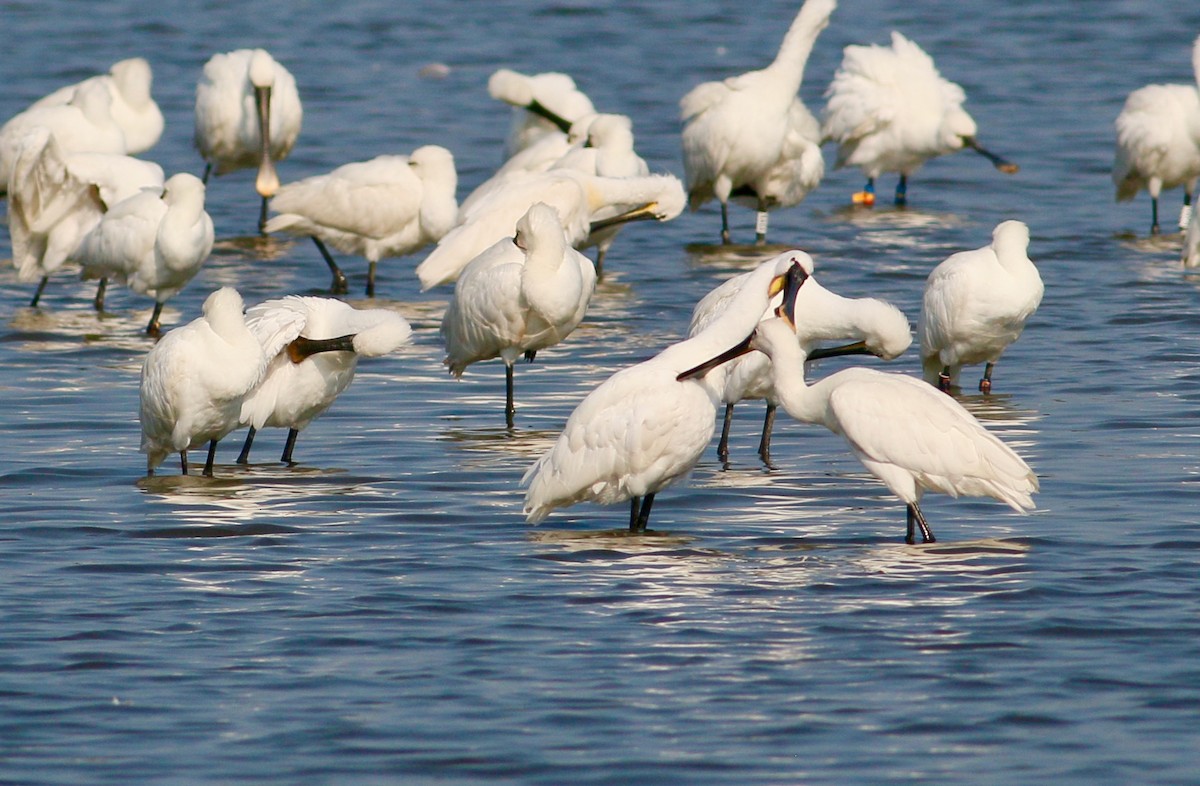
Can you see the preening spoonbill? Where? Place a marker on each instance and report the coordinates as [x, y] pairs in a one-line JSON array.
[[154, 242], [313, 345], [133, 108], [750, 136], [83, 125], [546, 103], [889, 110], [906, 434], [56, 198], [194, 380], [522, 294], [248, 114], [585, 204], [1158, 142], [874, 327], [976, 303], [643, 429], [386, 207]]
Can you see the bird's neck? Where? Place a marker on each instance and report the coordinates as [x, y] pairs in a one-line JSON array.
[[797, 45]]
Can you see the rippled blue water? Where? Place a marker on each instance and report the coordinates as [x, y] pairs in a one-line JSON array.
[[380, 613]]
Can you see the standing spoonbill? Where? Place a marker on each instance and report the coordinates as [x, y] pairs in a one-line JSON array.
[[750, 136], [1158, 142], [133, 108], [874, 326], [643, 429], [83, 125], [56, 198], [154, 242], [194, 380], [585, 204], [386, 207], [313, 345], [248, 114], [543, 104], [524, 293], [889, 110], [906, 434], [976, 303]]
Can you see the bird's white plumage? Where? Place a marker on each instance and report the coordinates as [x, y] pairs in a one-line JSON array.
[[194, 378], [555, 91], [906, 433], [889, 110], [132, 106], [291, 395], [578, 197], [56, 198], [154, 242], [227, 128], [522, 294], [1158, 138], [642, 430], [752, 130], [389, 206], [1191, 239], [82, 125], [976, 303]]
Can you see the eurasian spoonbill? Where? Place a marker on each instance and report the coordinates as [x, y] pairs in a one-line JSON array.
[[133, 107], [546, 103]]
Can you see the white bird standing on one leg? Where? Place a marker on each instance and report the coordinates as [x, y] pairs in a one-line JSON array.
[[523, 294], [386, 207], [889, 110], [133, 108], [976, 303], [153, 242], [313, 345], [248, 114], [904, 432], [1158, 143], [751, 136], [642, 429], [194, 379], [875, 326]]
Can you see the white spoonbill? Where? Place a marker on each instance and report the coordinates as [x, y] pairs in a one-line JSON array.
[[248, 114], [313, 345], [386, 207], [546, 103], [889, 110], [154, 242], [643, 429], [1158, 142], [874, 326], [56, 198], [522, 294], [976, 303], [133, 107], [83, 125], [194, 380], [906, 434], [751, 136], [585, 204]]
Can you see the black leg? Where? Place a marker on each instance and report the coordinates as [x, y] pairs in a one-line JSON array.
[[915, 517], [371, 279], [509, 409], [37, 295], [723, 444], [724, 224], [183, 462], [212, 455], [155, 328], [339, 285], [207, 172], [902, 190], [635, 504], [1154, 215], [262, 216], [643, 517], [985, 384], [289, 446], [98, 301], [244, 456], [944, 380], [599, 263], [764, 444]]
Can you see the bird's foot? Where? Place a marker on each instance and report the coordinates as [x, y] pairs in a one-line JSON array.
[[944, 383], [339, 285], [985, 386], [864, 198]]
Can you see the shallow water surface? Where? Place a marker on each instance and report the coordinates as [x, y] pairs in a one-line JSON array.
[[380, 612]]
